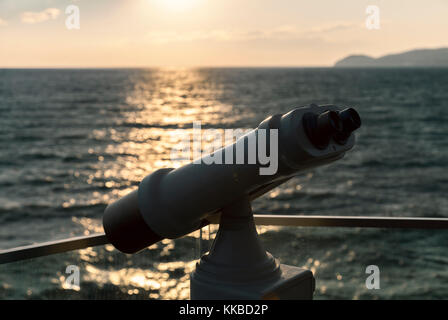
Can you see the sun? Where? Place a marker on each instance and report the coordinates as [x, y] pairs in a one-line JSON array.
[[177, 5]]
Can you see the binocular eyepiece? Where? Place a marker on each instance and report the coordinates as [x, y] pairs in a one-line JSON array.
[[320, 128]]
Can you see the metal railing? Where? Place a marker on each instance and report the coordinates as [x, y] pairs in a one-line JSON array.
[[82, 242]]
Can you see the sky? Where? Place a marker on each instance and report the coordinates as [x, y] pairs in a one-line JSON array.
[[207, 33]]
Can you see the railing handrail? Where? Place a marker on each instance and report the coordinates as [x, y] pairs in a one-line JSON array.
[[52, 247], [82, 242]]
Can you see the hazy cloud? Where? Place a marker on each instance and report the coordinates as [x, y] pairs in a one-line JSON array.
[[36, 17], [287, 32], [336, 27], [3, 22]]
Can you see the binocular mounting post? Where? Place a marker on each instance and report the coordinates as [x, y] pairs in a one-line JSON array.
[[238, 267]]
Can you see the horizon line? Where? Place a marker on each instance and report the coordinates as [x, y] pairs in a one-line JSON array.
[[165, 67], [225, 67]]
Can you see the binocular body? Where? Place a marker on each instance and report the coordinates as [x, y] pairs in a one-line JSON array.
[[170, 203]]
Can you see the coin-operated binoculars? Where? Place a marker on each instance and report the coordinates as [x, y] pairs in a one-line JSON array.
[[171, 203]]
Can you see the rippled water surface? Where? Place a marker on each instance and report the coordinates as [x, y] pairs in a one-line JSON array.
[[71, 141]]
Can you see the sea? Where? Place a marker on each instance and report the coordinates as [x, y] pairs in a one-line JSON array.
[[74, 140]]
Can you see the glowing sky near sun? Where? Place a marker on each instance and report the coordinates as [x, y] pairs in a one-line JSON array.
[[145, 33]]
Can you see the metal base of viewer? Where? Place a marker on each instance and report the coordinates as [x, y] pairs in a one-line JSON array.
[[238, 267]]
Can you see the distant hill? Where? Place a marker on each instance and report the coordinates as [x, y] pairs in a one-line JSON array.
[[414, 58]]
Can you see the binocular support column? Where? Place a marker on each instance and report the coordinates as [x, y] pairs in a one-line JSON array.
[[238, 267]]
